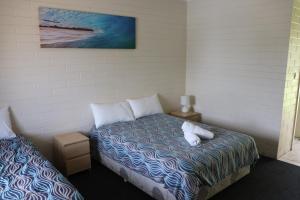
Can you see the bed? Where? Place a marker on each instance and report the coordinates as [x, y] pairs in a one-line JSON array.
[[151, 153], [26, 174]]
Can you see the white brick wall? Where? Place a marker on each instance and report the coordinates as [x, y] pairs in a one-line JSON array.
[[291, 83], [236, 66], [50, 90], [237, 54]]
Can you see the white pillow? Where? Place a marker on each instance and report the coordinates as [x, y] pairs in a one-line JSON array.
[[145, 106], [5, 124], [111, 113]]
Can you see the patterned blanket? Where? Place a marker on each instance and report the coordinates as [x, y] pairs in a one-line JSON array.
[[154, 146], [26, 174]]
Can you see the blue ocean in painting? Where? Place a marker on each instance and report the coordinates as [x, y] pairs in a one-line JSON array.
[[61, 28]]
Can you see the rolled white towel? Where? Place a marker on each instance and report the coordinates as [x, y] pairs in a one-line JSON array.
[[192, 128], [192, 139], [187, 127], [203, 133]]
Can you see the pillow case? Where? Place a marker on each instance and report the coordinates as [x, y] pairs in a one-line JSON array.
[[145, 106], [111, 113], [5, 124]]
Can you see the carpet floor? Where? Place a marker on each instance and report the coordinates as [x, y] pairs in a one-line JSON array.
[[269, 180]]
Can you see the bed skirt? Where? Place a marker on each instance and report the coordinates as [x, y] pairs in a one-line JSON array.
[[157, 191]]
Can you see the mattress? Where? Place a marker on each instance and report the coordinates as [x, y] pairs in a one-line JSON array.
[[26, 174], [154, 147]]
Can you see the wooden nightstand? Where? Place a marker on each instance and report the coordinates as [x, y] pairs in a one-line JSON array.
[[72, 153], [192, 116]]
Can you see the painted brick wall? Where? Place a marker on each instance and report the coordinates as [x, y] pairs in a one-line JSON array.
[[49, 90], [237, 54], [291, 83]]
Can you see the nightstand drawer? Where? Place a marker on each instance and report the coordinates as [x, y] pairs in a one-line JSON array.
[[191, 116], [77, 149], [78, 164], [194, 118]]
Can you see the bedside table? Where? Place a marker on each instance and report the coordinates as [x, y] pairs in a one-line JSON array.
[[72, 153], [191, 116]]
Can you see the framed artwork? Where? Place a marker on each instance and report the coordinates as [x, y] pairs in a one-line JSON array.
[[60, 28]]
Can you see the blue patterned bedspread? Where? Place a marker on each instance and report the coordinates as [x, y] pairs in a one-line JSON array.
[[26, 174], [154, 146]]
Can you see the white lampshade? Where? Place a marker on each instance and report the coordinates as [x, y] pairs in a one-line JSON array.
[[185, 100]]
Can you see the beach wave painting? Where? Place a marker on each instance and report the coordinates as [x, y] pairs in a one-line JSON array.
[[61, 28]]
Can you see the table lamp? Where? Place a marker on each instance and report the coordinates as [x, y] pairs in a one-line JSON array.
[[185, 102]]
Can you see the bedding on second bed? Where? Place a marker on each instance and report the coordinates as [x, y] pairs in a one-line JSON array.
[[26, 174], [154, 147]]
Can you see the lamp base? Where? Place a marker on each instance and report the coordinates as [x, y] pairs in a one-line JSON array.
[[185, 109]]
